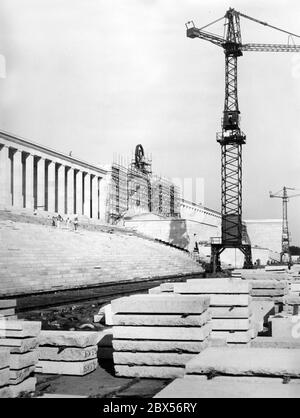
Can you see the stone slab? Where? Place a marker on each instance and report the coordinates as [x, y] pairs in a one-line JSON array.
[[74, 368], [162, 320], [19, 345], [167, 287], [229, 387], [231, 312], [160, 346], [158, 372], [246, 361], [215, 299], [295, 287], [271, 342], [10, 317], [155, 290], [67, 354], [20, 361], [292, 300], [162, 303], [241, 337], [4, 377], [8, 303], [7, 312], [17, 376], [268, 292], [230, 324], [268, 284], [162, 333], [19, 329], [4, 358], [215, 286], [69, 338], [151, 359], [27, 386]]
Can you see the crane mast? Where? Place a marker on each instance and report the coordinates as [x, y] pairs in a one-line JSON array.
[[231, 138]]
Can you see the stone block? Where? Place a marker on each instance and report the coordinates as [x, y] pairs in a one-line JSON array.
[[4, 377], [268, 284], [67, 354], [292, 300], [4, 358], [268, 292], [162, 320], [27, 386], [162, 333], [235, 337], [231, 312], [155, 372], [17, 376], [246, 361], [69, 338], [19, 345], [155, 290], [285, 326], [271, 342], [159, 304], [230, 324], [75, 368], [199, 387], [8, 303], [160, 346], [215, 299], [295, 287], [7, 312], [151, 359], [20, 361], [215, 286], [19, 329]]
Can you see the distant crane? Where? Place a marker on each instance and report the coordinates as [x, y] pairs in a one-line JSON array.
[[285, 237], [232, 138]]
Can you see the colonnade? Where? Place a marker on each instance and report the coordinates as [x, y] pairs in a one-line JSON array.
[[32, 178]]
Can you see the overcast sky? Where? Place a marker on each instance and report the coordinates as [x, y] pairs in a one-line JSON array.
[[99, 76]]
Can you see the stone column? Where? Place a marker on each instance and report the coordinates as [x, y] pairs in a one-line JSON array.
[[51, 186], [60, 189], [41, 184], [4, 176], [29, 181], [86, 203], [18, 180], [103, 198], [70, 191], [95, 197], [79, 192]]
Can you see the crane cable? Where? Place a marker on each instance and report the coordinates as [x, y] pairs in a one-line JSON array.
[[267, 24], [212, 23]]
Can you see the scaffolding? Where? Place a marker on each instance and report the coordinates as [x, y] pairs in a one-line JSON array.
[[135, 189]]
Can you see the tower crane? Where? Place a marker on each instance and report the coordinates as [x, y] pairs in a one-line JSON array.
[[231, 138], [285, 237]]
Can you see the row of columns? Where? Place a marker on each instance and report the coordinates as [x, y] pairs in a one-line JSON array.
[[33, 182]]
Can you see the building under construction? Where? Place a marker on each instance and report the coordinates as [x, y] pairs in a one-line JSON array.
[[134, 189]]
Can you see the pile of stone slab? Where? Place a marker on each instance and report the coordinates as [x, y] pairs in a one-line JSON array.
[[269, 290], [230, 306], [4, 373], [225, 372], [67, 352], [20, 339], [154, 336], [291, 304], [8, 309]]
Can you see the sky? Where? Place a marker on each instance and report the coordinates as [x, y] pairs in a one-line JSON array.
[[99, 76]]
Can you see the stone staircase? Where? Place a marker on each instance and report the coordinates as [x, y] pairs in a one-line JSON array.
[[36, 257]]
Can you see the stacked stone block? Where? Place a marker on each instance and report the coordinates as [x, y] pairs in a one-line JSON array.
[[230, 306], [269, 290], [4, 373], [67, 352], [156, 335]]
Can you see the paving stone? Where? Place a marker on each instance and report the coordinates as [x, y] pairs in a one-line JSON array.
[[158, 372], [271, 342], [4, 357], [162, 333], [160, 346], [27, 386], [8, 303], [214, 286], [230, 324], [161, 320], [246, 361], [17, 376], [19, 345], [19, 329], [156, 304], [229, 387], [20, 361], [231, 312], [234, 337], [4, 377], [67, 354], [151, 359], [69, 338], [76, 368]]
